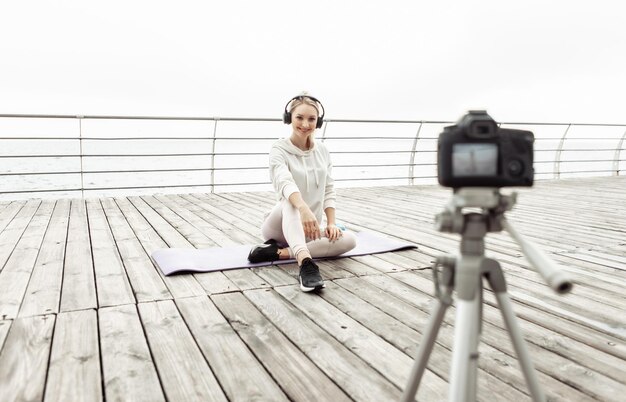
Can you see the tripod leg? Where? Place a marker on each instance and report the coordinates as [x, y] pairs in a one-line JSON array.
[[465, 350], [523, 356], [426, 346], [495, 276]]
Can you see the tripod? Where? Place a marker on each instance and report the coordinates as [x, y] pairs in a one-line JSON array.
[[464, 274]]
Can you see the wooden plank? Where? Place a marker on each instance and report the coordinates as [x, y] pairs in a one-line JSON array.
[[11, 234], [551, 364], [572, 232], [229, 224], [9, 212], [376, 318], [413, 310], [183, 216], [215, 282], [128, 372], [246, 219], [79, 288], [186, 224], [145, 221], [227, 353], [44, 288], [547, 319], [353, 266], [277, 275], [604, 363], [4, 331], [389, 361], [145, 279], [24, 358], [182, 369], [353, 375], [297, 376], [111, 280], [246, 279], [18, 269], [168, 233], [75, 358], [202, 206]]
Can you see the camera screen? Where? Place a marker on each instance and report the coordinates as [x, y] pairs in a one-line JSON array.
[[474, 159]]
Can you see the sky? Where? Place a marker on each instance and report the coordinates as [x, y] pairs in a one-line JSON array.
[[523, 61]]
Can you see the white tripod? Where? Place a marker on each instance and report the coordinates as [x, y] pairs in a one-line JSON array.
[[464, 275]]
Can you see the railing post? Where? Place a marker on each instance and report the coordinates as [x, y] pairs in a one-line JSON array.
[[618, 151], [413, 152], [80, 146], [213, 155], [557, 157]]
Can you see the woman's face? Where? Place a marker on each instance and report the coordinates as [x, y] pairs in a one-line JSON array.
[[303, 120]]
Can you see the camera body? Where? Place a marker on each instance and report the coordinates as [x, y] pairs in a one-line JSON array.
[[475, 152]]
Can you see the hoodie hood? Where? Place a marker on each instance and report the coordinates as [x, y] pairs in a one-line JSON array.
[[288, 146]]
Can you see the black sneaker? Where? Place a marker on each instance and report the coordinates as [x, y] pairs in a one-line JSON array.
[[265, 252], [310, 278]]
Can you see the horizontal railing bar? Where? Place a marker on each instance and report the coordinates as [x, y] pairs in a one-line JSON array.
[[262, 138], [184, 118], [61, 190], [115, 155], [259, 153], [194, 185], [103, 188], [129, 171], [327, 120], [192, 154], [201, 138], [102, 117], [582, 161], [208, 169], [588, 171]]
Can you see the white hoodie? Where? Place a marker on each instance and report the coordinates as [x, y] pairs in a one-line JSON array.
[[308, 172]]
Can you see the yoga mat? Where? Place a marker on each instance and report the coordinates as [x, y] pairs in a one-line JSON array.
[[177, 260]]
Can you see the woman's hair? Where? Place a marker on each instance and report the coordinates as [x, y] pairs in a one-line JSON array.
[[303, 98]]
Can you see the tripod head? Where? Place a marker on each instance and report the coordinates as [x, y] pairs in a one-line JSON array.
[[493, 205]]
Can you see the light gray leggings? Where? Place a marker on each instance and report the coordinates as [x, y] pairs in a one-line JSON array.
[[284, 225]]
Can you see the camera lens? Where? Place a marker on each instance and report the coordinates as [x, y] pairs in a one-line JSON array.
[[515, 167]]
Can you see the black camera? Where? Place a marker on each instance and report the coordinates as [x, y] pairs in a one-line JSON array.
[[475, 152]]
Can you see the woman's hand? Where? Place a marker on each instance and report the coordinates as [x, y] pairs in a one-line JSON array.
[[333, 232], [309, 223]]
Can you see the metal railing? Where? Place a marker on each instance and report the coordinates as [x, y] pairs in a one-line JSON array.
[[64, 155]]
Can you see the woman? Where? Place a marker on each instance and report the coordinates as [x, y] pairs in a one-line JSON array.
[[300, 170]]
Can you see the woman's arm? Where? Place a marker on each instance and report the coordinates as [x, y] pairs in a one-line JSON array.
[[332, 231], [309, 222]]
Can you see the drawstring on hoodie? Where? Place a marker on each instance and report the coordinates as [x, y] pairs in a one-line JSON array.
[[316, 171], [303, 158]]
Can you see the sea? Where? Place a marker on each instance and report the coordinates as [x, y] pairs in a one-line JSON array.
[[96, 156]]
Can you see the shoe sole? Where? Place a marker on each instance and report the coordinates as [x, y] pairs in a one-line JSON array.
[[308, 289]]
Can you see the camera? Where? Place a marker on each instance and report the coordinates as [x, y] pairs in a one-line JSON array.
[[475, 152]]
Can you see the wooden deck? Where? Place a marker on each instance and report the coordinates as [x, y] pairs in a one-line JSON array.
[[85, 315]]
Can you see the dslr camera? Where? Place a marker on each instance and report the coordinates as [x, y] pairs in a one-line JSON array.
[[475, 152]]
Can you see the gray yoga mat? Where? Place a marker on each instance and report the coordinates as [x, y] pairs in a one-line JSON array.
[[177, 260]]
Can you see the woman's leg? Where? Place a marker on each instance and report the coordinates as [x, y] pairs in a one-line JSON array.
[[323, 247], [284, 225]]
